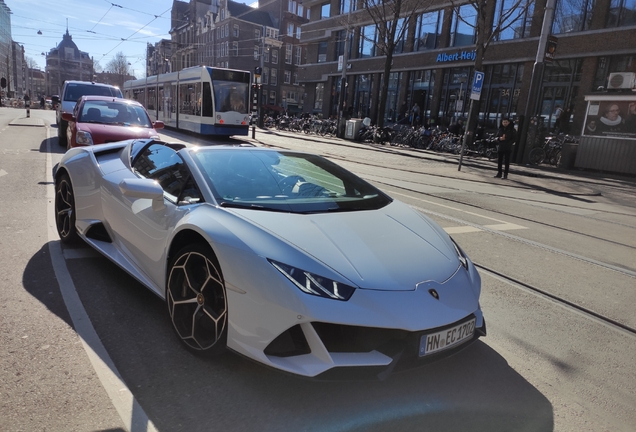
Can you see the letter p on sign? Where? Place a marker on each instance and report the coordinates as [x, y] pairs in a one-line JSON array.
[[478, 83]]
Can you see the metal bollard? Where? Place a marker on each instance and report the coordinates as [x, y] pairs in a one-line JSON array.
[[28, 112]]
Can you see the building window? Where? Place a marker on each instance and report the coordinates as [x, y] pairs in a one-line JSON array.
[[290, 29], [275, 56], [463, 26], [325, 10], [292, 96], [622, 13], [429, 30], [295, 78], [287, 77], [272, 96], [235, 49], [319, 96], [300, 10], [513, 24], [266, 55], [298, 32], [299, 53], [257, 34], [272, 33], [572, 16], [288, 53], [257, 52], [235, 31], [274, 76], [322, 52], [292, 6], [367, 41], [265, 76], [222, 14]]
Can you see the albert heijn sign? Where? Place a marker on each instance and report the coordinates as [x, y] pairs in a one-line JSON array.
[[457, 56]]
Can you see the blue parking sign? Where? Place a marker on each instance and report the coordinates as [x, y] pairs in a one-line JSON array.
[[478, 84]]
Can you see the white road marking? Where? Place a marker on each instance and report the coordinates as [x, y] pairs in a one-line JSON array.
[[3, 173], [500, 226], [131, 413]]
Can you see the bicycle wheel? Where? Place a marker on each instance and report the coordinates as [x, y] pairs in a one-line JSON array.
[[555, 158], [536, 156]]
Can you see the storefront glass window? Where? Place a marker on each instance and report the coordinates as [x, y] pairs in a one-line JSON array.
[[429, 29], [463, 26], [320, 94], [362, 96], [622, 13], [572, 16], [513, 22]]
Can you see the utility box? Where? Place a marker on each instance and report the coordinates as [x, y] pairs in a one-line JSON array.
[[568, 155], [353, 129]]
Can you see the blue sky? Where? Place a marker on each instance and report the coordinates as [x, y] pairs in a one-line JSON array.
[[100, 27]]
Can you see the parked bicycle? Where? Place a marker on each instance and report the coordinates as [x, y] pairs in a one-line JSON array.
[[550, 151]]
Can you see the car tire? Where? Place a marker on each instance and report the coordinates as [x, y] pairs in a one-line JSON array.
[[65, 210], [61, 133], [197, 300]]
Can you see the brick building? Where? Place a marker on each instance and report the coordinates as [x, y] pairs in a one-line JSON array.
[[433, 65]]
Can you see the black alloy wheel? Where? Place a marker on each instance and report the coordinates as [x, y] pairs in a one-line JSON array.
[[197, 301], [65, 210]]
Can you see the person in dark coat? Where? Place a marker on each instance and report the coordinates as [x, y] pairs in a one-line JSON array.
[[506, 137]]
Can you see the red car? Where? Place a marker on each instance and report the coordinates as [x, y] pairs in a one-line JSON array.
[[104, 119]]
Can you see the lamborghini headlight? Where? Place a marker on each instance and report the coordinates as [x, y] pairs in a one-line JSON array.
[[84, 138], [460, 255], [314, 284]]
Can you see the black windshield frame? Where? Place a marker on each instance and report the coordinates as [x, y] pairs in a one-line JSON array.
[[316, 185]]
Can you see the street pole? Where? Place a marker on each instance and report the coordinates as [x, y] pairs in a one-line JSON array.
[[343, 79], [535, 83], [261, 120]]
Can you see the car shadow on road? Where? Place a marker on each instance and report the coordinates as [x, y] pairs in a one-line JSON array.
[[473, 390], [51, 145]]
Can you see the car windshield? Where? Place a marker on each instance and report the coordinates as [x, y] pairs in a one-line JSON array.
[[116, 113], [284, 181], [76, 91]]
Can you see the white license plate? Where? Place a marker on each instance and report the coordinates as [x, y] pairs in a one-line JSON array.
[[434, 342]]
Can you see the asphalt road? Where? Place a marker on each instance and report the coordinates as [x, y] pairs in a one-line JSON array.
[[556, 255]]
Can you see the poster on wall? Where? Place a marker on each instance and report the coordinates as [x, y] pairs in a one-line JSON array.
[[611, 118]]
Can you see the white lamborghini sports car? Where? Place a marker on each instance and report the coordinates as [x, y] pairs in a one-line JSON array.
[[283, 257]]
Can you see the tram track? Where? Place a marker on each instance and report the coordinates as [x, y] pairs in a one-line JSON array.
[[544, 224], [557, 299]]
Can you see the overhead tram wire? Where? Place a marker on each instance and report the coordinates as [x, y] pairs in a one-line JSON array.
[[134, 33]]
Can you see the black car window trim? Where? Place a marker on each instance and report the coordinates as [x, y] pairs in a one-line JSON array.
[[184, 170]]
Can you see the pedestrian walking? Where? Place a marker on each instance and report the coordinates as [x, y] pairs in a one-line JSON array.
[[506, 137]]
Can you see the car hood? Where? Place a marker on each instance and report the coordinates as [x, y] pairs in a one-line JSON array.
[[104, 133], [392, 248]]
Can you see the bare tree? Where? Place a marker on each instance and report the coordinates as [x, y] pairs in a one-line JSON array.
[[119, 66], [392, 19]]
